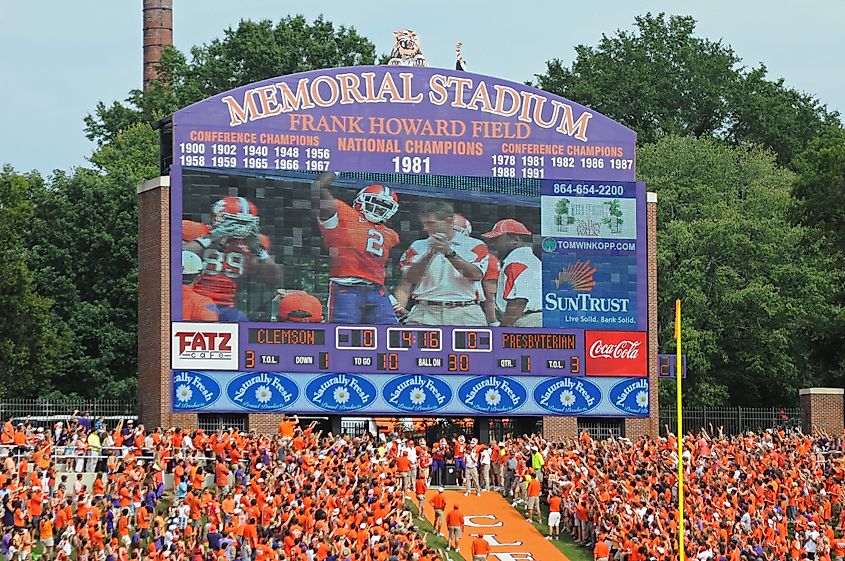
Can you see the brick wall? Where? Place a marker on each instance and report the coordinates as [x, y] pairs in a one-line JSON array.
[[266, 423], [634, 428], [558, 428], [823, 410], [154, 306], [158, 33]]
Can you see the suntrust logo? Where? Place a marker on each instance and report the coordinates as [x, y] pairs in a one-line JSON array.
[[207, 346], [576, 281], [578, 276]]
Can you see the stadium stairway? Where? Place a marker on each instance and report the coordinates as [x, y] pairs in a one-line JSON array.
[[510, 535]]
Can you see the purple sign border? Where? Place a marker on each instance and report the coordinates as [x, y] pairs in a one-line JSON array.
[[208, 114]]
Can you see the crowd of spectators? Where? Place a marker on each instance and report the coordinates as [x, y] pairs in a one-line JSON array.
[[767, 496], [300, 495], [297, 495]]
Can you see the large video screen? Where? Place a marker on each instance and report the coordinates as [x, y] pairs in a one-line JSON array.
[[386, 287]]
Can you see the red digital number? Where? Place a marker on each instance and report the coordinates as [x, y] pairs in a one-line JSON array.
[[249, 359], [367, 338], [458, 363], [433, 340]]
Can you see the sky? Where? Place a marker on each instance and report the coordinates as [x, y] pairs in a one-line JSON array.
[[58, 59]]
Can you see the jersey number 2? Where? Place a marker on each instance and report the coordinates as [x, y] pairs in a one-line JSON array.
[[375, 242]]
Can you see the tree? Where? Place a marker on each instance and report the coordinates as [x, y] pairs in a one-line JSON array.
[[663, 80], [614, 220], [83, 235], [252, 52], [562, 217], [755, 287], [820, 187], [820, 194], [31, 347]]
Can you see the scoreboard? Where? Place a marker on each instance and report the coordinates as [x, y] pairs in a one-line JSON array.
[[512, 164], [413, 350]]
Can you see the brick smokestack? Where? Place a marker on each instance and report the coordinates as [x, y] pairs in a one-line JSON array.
[[158, 33]]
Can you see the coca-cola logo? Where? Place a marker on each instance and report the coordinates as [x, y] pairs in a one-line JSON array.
[[616, 353], [623, 349]]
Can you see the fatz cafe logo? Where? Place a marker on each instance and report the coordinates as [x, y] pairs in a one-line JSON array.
[[203, 345]]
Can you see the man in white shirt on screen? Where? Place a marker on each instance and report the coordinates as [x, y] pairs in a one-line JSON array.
[[519, 293], [445, 271]]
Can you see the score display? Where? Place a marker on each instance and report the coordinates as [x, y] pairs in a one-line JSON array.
[[414, 350], [432, 168]]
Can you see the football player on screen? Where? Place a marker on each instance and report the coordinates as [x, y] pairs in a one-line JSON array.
[[195, 307], [462, 225], [232, 249], [359, 243]]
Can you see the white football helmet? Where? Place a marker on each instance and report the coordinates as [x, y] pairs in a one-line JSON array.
[[377, 203], [236, 215]]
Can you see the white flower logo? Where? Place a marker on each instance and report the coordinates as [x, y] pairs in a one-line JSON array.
[[263, 394], [418, 396], [341, 395], [567, 398], [492, 397], [642, 399], [184, 393]]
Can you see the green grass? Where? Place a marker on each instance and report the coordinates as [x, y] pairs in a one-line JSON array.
[[432, 539], [564, 544]]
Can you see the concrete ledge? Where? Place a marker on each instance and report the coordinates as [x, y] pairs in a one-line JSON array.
[[651, 197], [154, 183], [821, 391]]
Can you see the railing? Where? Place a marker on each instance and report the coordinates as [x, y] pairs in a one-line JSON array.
[[601, 429], [45, 413], [212, 422], [733, 420]]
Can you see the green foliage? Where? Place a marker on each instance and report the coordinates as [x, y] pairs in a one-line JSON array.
[[252, 52], [83, 236], [754, 286], [820, 194], [663, 80], [770, 114], [820, 187], [132, 156], [30, 344]]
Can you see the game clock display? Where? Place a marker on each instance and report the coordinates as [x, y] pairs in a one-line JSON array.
[[414, 350]]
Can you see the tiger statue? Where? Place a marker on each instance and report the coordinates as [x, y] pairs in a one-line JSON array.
[[406, 49]]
